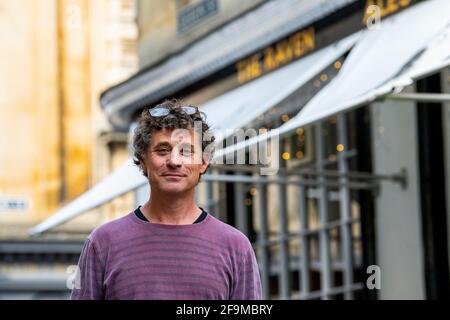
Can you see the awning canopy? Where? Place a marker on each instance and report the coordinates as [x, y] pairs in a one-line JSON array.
[[256, 29], [434, 58], [121, 181], [406, 47], [238, 107]]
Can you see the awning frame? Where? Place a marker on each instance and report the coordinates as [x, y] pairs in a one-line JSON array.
[[420, 97]]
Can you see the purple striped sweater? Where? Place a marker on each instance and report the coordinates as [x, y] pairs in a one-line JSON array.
[[134, 259]]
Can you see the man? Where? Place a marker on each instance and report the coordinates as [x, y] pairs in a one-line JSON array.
[[169, 248]]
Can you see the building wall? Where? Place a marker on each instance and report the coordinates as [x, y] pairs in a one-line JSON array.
[[73, 86], [397, 211], [158, 27], [57, 56], [114, 50], [113, 54], [30, 135]]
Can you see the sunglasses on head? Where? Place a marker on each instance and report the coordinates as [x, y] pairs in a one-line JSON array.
[[164, 111]]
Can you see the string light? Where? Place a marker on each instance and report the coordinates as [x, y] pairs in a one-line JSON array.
[[299, 131], [340, 147], [299, 154], [337, 65], [324, 77], [253, 191], [317, 83], [285, 117], [248, 202], [286, 156]]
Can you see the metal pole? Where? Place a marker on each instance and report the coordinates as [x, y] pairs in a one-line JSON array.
[[324, 239], [397, 177], [303, 255], [284, 253], [239, 208], [345, 214], [263, 238], [420, 97], [306, 182]]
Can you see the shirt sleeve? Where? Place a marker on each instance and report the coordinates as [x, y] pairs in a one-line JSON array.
[[88, 284], [247, 281]]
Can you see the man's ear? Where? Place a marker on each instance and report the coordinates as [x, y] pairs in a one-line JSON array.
[[205, 165], [142, 165]]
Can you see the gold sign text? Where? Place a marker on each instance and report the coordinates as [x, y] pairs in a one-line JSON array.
[[277, 55], [383, 8]]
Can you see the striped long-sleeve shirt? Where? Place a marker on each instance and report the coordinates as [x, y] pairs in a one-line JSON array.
[[134, 259]]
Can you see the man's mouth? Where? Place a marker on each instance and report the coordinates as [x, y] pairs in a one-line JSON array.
[[173, 175]]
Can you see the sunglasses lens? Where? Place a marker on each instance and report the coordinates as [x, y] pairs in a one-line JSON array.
[[162, 112], [159, 112], [189, 110]]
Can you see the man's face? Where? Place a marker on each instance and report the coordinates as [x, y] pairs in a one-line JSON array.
[[174, 161]]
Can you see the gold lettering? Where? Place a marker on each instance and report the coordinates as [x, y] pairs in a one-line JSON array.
[[279, 56], [281, 53], [269, 59], [241, 68], [255, 66], [383, 9], [248, 69], [404, 3], [309, 39], [302, 42], [392, 6], [386, 7], [368, 13], [288, 51], [296, 44]]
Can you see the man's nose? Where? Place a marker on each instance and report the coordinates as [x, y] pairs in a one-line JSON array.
[[175, 159]]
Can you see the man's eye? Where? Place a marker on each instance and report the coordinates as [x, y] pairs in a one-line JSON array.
[[162, 150]]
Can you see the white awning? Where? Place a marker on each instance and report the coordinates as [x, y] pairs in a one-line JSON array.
[[435, 57], [407, 47], [383, 60], [121, 181], [232, 110], [255, 29], [236, 108]]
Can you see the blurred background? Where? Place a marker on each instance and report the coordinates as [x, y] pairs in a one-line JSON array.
[[358, 89]]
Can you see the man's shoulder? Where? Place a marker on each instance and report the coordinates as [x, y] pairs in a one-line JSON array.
[[109, 230], [229, 234]]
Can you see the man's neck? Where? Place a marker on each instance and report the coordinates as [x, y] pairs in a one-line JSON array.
[[167, 209]]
